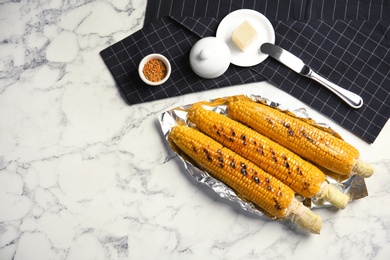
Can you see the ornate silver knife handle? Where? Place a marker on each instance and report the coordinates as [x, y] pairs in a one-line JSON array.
[[349, 97]]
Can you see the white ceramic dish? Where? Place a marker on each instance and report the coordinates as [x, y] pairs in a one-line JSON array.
[[265, 33], [148, 58], [209, 57]]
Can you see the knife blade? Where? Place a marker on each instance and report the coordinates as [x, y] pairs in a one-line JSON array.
[[297, 65]]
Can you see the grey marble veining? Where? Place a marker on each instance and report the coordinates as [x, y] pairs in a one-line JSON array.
[[85, 176]]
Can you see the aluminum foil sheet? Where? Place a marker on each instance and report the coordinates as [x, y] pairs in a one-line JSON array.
[[354, 186]]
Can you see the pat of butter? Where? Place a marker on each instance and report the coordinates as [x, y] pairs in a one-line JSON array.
[[244, 35]]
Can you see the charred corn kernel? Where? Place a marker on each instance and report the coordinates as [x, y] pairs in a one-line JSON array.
[[300, 175], [245, 178], [300, 137]]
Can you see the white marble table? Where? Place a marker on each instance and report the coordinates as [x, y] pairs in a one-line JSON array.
[[85, 176]]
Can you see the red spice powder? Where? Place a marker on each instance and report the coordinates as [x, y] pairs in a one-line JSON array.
[[155, 70]]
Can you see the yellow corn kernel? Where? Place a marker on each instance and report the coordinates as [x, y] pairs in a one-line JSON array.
[[300, 175], [245, 178], [300, 137]]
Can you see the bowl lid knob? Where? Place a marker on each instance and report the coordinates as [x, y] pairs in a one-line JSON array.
[[205, 54]]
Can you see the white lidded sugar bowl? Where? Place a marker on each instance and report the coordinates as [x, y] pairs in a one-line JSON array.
[[210, 57]]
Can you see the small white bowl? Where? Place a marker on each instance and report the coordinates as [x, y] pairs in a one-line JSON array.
[[148, 58]]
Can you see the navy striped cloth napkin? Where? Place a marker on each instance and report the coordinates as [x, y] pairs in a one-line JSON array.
[[347, 42]]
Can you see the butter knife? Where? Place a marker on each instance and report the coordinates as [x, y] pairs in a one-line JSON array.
[[297, 65]]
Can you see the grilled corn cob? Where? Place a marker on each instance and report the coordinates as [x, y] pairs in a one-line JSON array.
[[249, 181], [300, 137], [300, 175]]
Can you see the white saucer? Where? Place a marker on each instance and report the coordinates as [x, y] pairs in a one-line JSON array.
[[265, 33]]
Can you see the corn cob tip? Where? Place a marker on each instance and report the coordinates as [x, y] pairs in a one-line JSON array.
[[304, 217], [363, 169], [333, 195]]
